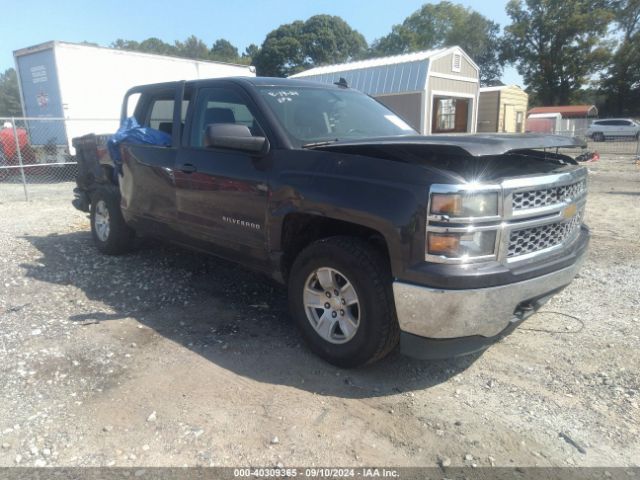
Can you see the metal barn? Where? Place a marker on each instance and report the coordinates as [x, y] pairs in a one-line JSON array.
[[567, 119], [434, 91], [502, 109]]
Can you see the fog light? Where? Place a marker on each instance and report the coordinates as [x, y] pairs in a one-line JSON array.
[[443, 244]]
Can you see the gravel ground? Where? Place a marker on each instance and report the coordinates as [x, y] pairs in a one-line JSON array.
[[161, 357]]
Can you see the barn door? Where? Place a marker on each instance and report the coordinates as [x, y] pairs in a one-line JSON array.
[[462, 115], [509, 122]]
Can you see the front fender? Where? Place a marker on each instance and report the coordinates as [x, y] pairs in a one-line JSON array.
[[385, 196]]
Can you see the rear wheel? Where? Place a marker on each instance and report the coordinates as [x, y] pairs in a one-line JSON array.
[[340, 296], [110, 233]]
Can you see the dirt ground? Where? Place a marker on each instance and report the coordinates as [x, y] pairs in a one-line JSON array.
[[161, 358]]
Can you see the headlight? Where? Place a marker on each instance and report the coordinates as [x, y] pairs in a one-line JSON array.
[[465, 204], [461, 244]]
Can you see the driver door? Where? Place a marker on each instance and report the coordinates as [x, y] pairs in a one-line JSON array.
[[221, 193]]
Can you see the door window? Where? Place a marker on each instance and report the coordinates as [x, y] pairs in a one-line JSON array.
[[221, 105], [160, 116]]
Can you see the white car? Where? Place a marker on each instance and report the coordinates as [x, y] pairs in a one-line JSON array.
[[601, 130]]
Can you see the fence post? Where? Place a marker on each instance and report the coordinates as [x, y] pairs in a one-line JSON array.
[[17, 140]]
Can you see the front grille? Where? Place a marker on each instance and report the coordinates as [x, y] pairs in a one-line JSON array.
[[534, 239], [547, 196]]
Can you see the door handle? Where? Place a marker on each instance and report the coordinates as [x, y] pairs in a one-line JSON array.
[[188, 168]]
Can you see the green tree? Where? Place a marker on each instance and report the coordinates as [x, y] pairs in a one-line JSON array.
[[557, 45], [157, 46], [293, 47], [9, 94], [150, 45], [447, 24], [224, 51], [192, 47], [620, 83], [251, 52], [122, 44]]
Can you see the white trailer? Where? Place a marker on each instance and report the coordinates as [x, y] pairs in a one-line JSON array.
[[69, 89]]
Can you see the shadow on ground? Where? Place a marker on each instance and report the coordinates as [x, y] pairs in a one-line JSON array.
[[232, 317], [633, 194]]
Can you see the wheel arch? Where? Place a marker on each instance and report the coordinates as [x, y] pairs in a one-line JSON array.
[[299, 229]]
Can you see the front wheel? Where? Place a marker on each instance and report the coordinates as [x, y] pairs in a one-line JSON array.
[[598, 137], [110, 233], [340, 296]]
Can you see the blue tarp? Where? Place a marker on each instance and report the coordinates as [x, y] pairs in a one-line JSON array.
[[131, 132]]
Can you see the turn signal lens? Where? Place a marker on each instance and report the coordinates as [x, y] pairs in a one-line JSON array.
[[444, 244], [462, 245], [442, 204]]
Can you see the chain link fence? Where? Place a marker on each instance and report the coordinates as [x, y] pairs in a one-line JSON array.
[[609, 144], [37, 159]]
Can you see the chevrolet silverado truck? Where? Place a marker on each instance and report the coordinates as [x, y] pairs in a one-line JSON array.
[[442, 244]]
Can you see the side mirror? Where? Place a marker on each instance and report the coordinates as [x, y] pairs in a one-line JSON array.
[[234, 137]]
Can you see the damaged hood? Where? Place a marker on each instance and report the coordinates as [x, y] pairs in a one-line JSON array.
[[475, 145]]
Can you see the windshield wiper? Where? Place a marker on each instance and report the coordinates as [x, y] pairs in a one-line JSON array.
[[320, 144]]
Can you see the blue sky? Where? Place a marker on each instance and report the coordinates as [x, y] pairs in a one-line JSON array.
[[242, 22]]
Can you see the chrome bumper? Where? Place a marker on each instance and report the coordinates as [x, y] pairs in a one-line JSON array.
[[437, 313]]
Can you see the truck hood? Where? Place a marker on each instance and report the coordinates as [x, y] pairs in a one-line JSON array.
[[475, 145]]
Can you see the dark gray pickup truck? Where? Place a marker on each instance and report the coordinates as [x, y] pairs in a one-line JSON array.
[[443, 244]]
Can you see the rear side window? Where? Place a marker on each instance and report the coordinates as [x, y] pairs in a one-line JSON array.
[[158, 113], [161, 112]]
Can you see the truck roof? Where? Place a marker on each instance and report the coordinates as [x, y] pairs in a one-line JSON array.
[[274, 82], [252, 81]]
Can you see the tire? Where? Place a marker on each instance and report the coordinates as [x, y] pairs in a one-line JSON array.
[[598, 137], [336, 260], [111, 235]]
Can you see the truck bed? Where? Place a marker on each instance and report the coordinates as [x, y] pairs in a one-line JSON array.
[[95, 167]]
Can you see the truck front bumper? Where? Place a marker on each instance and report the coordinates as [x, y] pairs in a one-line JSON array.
[[440, 323]]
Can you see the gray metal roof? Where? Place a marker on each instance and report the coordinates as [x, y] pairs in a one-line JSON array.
[[380, 76], [398, 78]]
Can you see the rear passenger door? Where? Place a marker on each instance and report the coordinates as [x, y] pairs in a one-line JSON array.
[[148, 183], [222, 193]]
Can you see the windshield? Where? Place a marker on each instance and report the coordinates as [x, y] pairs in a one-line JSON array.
[[313, 115]]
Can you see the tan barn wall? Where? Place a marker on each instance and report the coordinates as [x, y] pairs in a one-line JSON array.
[[443, 65], [449, 85], [519, 99], [407, 106]]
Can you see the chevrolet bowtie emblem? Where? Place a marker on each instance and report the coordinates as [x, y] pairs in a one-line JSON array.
[[569, 211]]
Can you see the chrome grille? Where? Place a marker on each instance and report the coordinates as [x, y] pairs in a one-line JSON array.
[[547, 196], [534, 239]]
